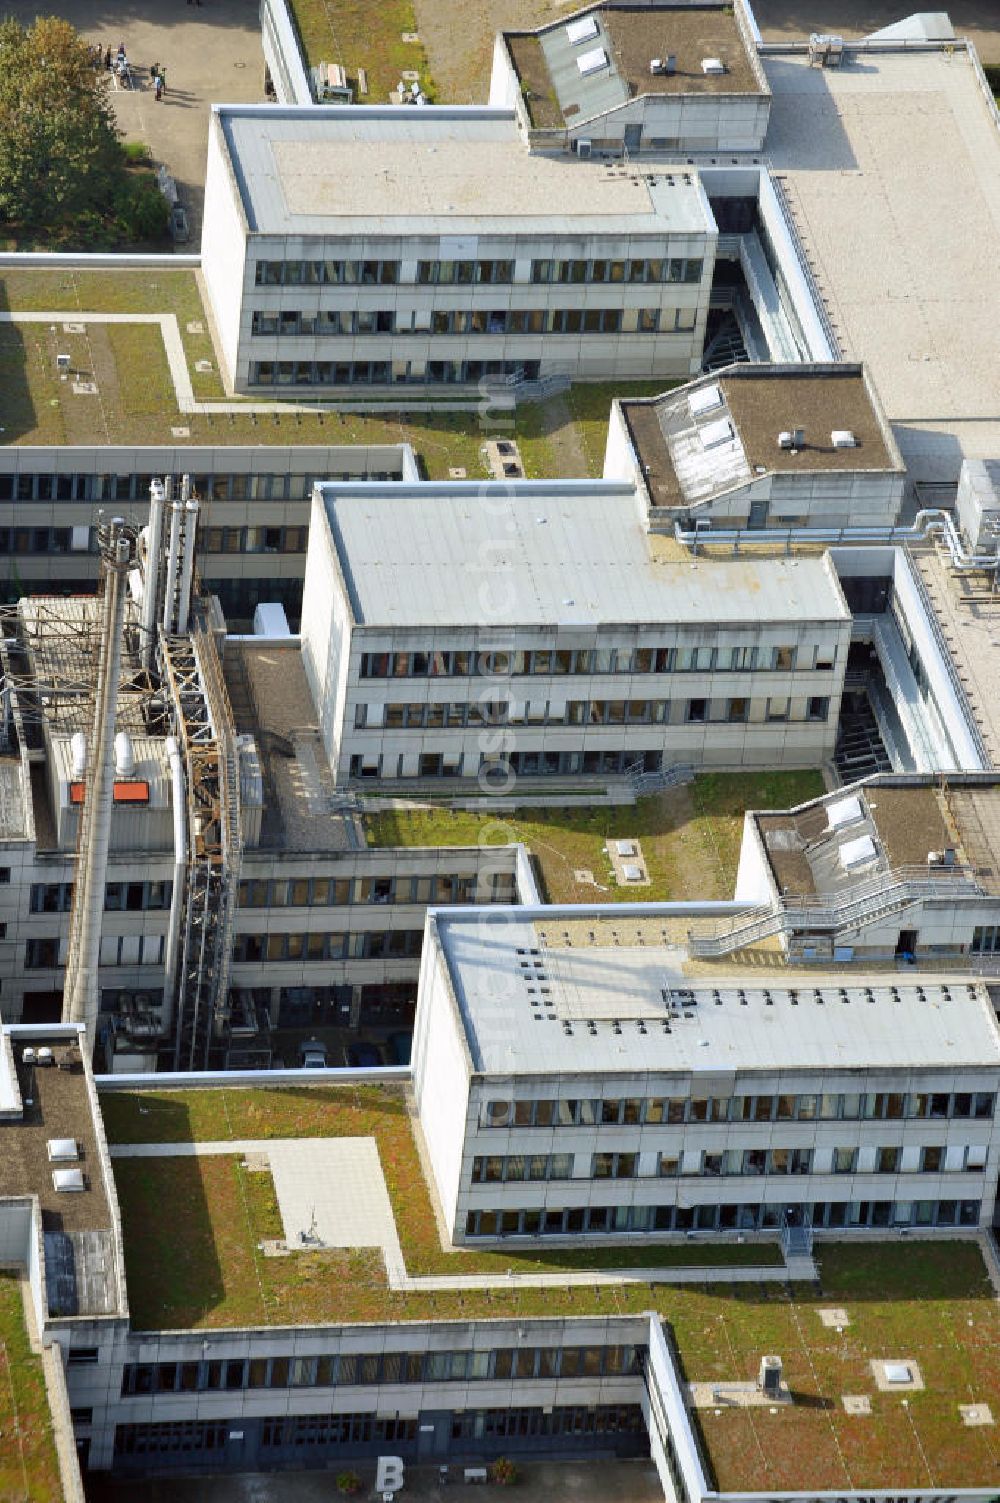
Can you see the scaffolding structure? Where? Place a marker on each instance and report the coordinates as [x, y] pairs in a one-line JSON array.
[[203, 725]]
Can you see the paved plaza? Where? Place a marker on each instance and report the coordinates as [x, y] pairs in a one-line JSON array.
[[208, 53]]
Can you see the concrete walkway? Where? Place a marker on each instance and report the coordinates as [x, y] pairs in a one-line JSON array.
[[332, 1193]]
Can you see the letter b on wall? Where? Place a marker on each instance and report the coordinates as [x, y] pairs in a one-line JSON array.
[[389, 1477]]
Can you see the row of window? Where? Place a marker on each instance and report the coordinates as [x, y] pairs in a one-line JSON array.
[[494, 1169], [351, 1430], [253, 539], [340, 322], [86, 487], [387, 372], [733, 710], [554, 662], [631, 1111], [369, 1369], [133, 949], [750, 1217], [47, 540], [213, 1435], [331, 892], [986, 939], [495, 272], [119, 897], [45, 954], [492, 767], [391, 944]]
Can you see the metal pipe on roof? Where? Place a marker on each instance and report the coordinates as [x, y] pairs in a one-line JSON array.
[[925, 522], [81, 991], [187, 566], [159, 494], [172, 954], [173, 558]]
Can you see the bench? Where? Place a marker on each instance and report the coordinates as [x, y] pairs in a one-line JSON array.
[[475, 1474]]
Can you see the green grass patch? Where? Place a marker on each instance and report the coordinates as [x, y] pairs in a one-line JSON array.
[[590, 405], [690, 835], [359, 36], [29, 1466], [219, 1277]]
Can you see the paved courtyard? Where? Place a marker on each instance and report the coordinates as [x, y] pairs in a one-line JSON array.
[[210, 53]]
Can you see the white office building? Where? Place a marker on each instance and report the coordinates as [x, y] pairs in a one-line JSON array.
[[577, 1077], [461, 631], [385, 246]]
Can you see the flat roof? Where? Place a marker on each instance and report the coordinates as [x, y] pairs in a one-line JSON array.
[[568, 553], [891, 164], [329, 170], [906, 818], [759, 403], [54, 1101], [559, 991], [270, 699], [628, 37]]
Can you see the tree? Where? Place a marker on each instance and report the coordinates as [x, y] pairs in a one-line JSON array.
[[61, 164]]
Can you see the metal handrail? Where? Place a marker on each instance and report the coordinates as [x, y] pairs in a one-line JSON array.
[[887, 890]]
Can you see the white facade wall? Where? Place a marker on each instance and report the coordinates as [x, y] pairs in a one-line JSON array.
[[442, 1070], [539, 713], [679, 122], [98, 1386], [327, 632], [223, 258], [965, 1143], [411, 308], [133, 942]]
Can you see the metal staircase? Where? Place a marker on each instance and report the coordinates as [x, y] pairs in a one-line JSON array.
[[204, 727], [883, 895]]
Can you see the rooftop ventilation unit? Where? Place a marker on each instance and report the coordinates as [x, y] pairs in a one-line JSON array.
[[62, 1150], [65, 1180], [712, 66], [663, 67], [581, 31], [592, 61], [843, 438], [769, 1375], [791, 438], [45, 1056]]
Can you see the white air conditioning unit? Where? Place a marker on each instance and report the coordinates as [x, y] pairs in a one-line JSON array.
[[712, 65], [584, 148]]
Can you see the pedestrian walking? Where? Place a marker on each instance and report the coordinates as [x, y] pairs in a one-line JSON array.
[[158, 87]]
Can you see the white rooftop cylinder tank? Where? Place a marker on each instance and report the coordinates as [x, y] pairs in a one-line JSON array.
[[78, 749], [124, 755]]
